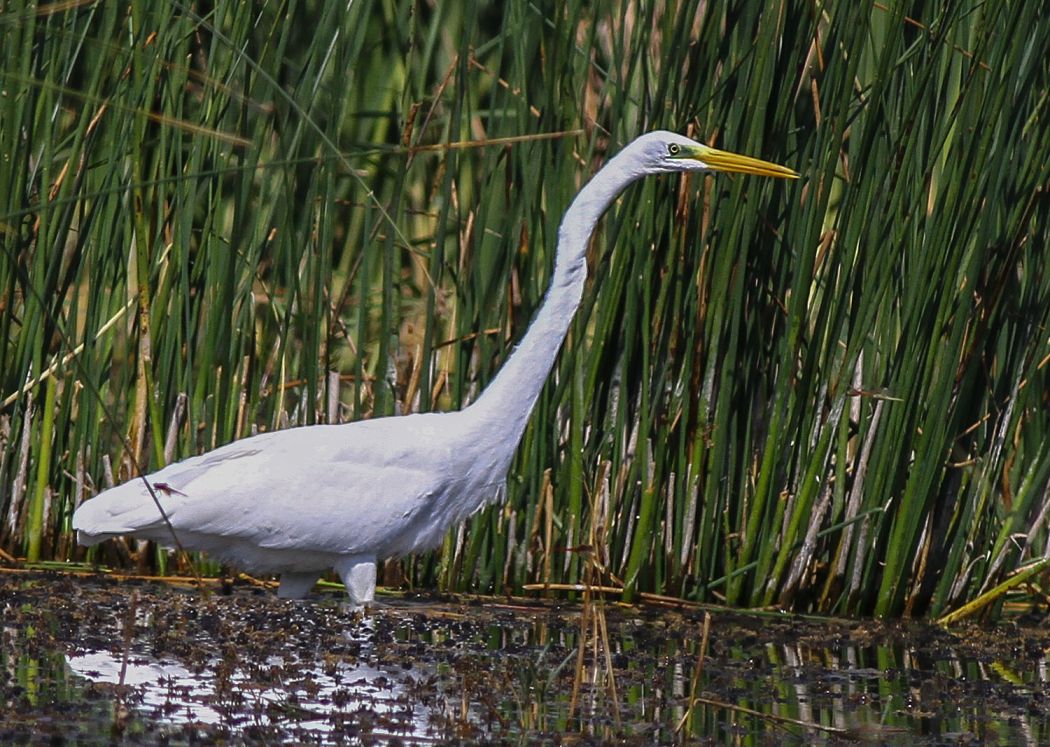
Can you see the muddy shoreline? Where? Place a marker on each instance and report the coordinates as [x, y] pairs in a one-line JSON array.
[[99, 660]]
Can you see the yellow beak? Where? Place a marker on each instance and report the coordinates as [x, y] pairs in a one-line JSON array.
[[721, 160]]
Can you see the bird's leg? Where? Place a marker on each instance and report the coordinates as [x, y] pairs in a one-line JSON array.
[[296, 585], [359, 576]]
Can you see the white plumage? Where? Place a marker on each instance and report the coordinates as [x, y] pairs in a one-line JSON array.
[[301, 501]]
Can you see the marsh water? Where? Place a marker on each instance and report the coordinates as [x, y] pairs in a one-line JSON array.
[[93, 660]]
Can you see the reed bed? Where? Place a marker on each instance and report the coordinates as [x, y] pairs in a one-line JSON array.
[[828, 395]]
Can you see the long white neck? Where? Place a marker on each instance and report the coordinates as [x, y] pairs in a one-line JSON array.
[[507, 402]]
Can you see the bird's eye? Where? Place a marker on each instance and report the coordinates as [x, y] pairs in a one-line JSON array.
[[674, 150]]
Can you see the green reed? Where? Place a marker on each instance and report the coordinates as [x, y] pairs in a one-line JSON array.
[[827, 395]]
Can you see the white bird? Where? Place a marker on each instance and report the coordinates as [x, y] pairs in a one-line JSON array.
[[300, 501]]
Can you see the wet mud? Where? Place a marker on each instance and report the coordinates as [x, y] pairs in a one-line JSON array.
[[94, 660]]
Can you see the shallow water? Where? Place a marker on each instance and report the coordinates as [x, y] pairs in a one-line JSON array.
[[100, 661]]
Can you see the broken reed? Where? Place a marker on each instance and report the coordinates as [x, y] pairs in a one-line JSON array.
[[827, 395]]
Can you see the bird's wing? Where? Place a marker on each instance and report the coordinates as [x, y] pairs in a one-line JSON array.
[[322, 488], [129, 508]]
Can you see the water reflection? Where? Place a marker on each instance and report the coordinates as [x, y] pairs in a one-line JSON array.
[[167, 691], [260, 669]]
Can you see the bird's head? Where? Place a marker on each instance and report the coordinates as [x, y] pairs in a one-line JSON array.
[[667, 152]]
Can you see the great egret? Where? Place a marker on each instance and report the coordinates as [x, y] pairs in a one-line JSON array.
[[297, 502]]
